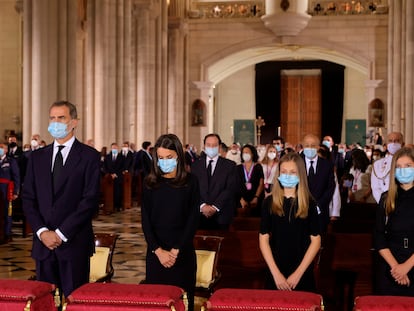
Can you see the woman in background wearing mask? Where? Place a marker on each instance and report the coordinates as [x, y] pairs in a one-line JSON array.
[[252, 182], [170, 214], [289, 236], [394, 230], [269, 163]]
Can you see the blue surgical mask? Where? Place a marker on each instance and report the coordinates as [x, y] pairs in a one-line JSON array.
[[167, 165], [327, 143], [58, 130], [341, 150], [404, 175], [288, 181], [1, 152], [114, 152], [211, 152], [278, 148], [310, 153]]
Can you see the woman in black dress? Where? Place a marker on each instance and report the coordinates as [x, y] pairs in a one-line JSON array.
[[394, 230], [251, 181], [289, 236], [170, 214]]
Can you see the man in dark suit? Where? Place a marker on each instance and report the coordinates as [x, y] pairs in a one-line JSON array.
[[218, 186], [114, 165], [60, 198], [143, 160], [320, 177]]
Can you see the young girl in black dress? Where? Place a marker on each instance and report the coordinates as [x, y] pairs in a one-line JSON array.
[[170, 214], [289, 236], [394, 230]]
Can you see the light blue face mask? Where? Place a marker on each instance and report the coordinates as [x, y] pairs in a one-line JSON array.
[[327, 143], [211, 152], [310, 153], [404, 175], [58, 130], [288, 181], [1, 152], [167, 165], [114, 152]]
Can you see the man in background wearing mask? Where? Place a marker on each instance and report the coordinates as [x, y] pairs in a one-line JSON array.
[[321, 179], [279, 143], [60, 198], [380, 180], [9, 187], [218, 186]]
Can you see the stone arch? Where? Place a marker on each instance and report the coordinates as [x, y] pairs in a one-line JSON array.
[[231, 59]]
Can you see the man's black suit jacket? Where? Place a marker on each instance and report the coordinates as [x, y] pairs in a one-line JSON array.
[[73, 204], [222, 191], [322, 188]]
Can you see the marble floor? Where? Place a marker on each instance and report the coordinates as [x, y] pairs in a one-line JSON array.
[[128, 258]]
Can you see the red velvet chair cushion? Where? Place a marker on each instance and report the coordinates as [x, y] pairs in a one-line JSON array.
[[258, 299], [383, 303], [112, 296], [14, 295]]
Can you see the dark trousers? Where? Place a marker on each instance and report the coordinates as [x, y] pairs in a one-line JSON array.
[[66, 274]]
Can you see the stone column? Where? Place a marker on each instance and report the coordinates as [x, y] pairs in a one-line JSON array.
[[178, 112], [395, 70], [409, 80], [150, 45]]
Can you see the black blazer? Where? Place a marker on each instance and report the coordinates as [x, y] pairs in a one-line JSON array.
[[222, 191], [323, 187], [73, 205]]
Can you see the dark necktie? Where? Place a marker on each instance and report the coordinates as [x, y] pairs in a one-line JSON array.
[[209, 170], [57, 166], [311, 174]]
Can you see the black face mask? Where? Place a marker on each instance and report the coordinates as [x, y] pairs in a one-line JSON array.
[[12, 145]]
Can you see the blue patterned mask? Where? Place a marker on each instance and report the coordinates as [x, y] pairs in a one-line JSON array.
[[167, 165], [404, 175], [288, 181]]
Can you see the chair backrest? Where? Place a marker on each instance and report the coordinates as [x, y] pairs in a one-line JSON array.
[[207, 250], [101, 262]]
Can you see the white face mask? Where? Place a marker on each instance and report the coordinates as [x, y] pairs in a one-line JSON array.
[[393, 147], [246, 157], [271, 155], [34, 143]]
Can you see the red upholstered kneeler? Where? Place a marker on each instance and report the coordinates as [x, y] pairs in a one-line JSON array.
[[260, 299], [122, 297], [18, 295], [383, 303]]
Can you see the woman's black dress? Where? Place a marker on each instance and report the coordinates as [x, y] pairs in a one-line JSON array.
[[396, 233], [248, 193], [170, 218], [290, 239]]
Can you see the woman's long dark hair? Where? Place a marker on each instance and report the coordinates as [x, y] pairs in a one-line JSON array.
[[171, 142]]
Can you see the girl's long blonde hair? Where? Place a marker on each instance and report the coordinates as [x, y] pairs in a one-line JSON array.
[[302, 191], [393, 188]]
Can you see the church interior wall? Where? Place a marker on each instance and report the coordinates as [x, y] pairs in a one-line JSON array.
[[360, 40], [10, 73]]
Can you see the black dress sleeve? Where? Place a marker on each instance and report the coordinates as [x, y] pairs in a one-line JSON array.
[[146, 219], [266, 216], [380, 241], [314, 219]]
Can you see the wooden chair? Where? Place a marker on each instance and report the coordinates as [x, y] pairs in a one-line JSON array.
[[101, 262], [207, 251]]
